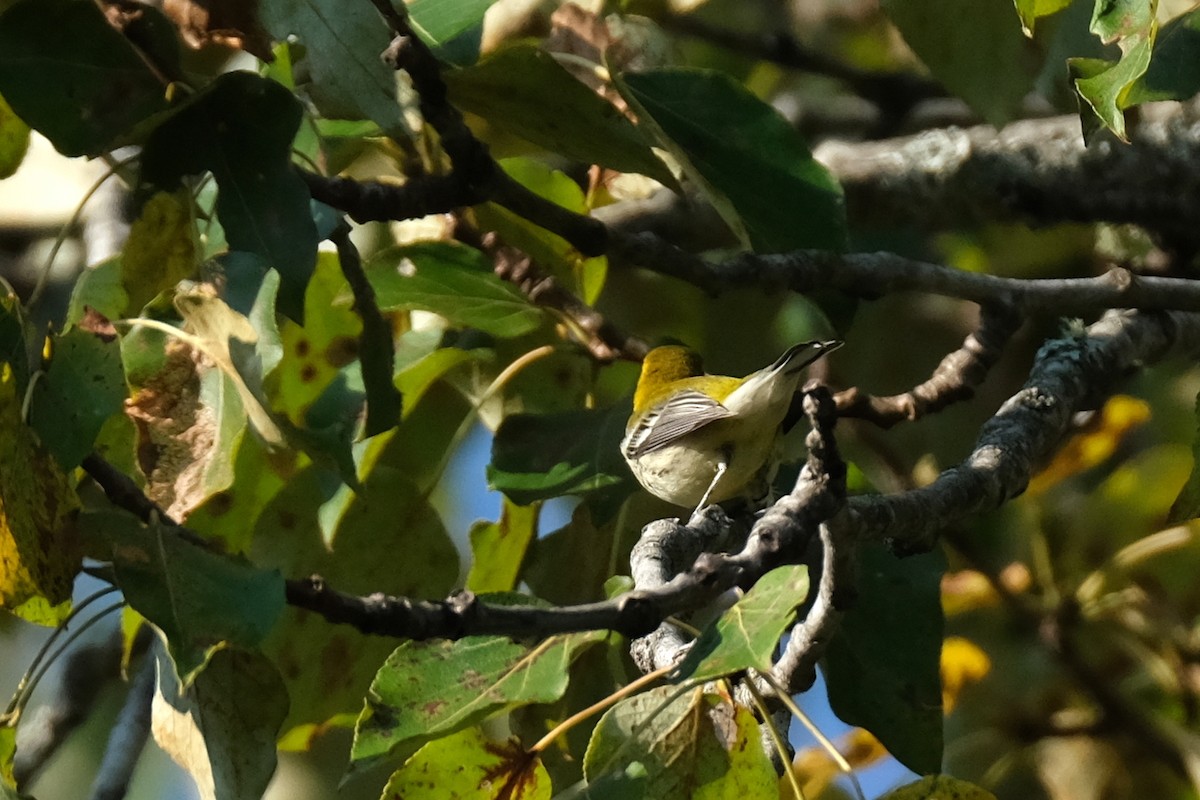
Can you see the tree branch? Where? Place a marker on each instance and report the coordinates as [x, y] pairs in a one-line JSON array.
[[1071, 373], [871, 275], [1037, 171], [602, 339], [954, 379]]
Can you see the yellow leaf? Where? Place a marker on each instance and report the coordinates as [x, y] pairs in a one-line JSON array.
[[1096, 444], [963, 663], [817, 770], [161, 249], [39, 550]]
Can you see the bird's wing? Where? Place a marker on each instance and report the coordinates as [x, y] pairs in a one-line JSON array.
[[683, 413]]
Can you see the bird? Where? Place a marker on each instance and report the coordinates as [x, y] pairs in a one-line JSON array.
[[695, 438]]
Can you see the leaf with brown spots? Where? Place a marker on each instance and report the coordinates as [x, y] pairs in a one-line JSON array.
[[39, 551], [689, 745], [430, 689], [468, 764]]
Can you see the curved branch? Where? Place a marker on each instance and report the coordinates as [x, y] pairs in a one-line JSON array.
[[1071, 374], [954, 379]]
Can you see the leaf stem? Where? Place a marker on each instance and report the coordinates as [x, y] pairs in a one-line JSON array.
[[597, 707]]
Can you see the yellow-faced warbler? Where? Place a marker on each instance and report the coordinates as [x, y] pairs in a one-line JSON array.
[[695, 438]]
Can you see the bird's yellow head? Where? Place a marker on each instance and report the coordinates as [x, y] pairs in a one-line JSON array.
[[661, 367]]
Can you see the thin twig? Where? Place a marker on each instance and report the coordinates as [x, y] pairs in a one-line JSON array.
[[376, 349], [954, 379]]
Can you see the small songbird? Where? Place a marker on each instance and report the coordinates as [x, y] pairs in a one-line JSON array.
[[695, 438]]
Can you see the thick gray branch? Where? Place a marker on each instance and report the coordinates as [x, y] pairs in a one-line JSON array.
[[1071, 374], [1037, 171]]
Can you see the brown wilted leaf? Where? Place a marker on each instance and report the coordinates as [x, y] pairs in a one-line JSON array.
[[228, 23]]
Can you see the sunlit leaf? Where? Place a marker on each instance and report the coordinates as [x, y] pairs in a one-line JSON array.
[[1096, 444], [698, 746], [498, 548], [963, 663], [430, 689], [749, 162], [1031, 11], [454, 281], [160, 250], [101, 288], [585, 276], [747, 634], [468, 764], [221, 729], [439, 21], [1105, 87], [14, 140]]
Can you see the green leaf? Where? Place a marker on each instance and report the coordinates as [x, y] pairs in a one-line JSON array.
[[883, 667], [498, 548], [748, 160], [580, 542], [1030, 11], [389, 540], [8, 749], [1104, 87], [524, 91], [585, 276], [468, 764], [1187, 504], [747, 633], [220, 397], [985, 61], [313, 355], [14, 140], [1174, 71], [200, 600], [222, 727], [84, 386], [692, 746], [415, 377], [20, 344], [258, 474], [342, 43], [99, 287], [160, 250], [39, 547], [70, 75], [240, 127], [430, 689], [539, 456], [454, 281], [439, 21]]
